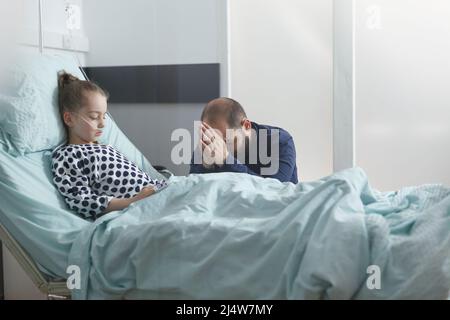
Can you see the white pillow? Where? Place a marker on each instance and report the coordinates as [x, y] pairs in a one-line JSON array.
[[29, 114]]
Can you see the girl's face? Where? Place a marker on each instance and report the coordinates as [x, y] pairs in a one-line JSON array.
[[85, 126]]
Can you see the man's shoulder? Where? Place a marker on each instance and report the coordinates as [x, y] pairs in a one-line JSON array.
[[284, 135]]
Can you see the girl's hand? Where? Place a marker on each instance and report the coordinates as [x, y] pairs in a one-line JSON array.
[[120, 204], [145, 192]]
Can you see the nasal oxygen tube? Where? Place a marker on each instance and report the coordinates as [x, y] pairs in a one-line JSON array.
[[87, 121]]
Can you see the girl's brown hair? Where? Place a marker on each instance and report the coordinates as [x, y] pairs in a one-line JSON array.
[[71, 91]]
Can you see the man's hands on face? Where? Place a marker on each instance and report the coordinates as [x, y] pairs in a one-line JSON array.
[[214, 147]]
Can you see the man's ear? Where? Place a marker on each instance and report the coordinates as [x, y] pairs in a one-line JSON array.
[[67, 117], [247, 124]]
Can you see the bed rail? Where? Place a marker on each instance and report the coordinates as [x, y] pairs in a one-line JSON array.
[[53, 289]]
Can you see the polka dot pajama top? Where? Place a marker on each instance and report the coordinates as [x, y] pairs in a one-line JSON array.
[[90, 175]]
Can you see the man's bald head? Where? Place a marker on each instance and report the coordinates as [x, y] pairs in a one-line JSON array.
[[225, 109]]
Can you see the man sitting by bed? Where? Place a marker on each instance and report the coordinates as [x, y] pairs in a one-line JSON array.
[[230, 142]]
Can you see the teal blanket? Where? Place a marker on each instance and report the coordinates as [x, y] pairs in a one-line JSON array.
[[235, 236]]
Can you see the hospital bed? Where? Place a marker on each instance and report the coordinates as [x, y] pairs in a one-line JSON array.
[[217, 236], [54, 287]]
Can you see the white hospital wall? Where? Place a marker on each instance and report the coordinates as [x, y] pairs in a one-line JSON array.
[[10, 15], [151, 32], [54, 28], [281, 72], [402, 92], [54, 15]]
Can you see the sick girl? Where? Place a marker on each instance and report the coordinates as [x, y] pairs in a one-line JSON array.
[[94, 179]]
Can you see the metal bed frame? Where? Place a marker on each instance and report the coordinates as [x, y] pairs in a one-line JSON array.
[[52, 288]]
